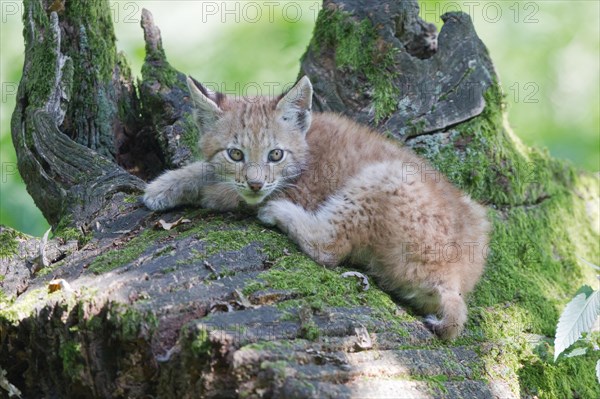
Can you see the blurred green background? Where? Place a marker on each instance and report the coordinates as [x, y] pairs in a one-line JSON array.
[[546, 53]]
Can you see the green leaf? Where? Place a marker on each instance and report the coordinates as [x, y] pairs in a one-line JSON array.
[[598, 371], [578, 317]]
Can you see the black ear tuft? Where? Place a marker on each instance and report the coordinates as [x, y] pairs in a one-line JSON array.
[[200, 86], [303, 119]]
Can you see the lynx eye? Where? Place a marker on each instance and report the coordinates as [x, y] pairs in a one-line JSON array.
[[275, 155], [235, 154]]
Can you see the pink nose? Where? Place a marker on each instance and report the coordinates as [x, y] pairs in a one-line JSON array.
[[255, 185]]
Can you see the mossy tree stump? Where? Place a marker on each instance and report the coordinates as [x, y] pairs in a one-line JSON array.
[[223, 307]]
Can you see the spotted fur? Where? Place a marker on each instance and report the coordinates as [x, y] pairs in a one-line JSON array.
[[342, 193]]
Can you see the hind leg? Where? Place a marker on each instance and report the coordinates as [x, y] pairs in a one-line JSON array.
[[314, 232], [452, 312]]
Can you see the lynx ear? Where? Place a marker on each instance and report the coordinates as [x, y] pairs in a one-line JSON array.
[[205, 103], [294, 108]]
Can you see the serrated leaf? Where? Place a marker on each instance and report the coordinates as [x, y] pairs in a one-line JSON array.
[[579, 316]]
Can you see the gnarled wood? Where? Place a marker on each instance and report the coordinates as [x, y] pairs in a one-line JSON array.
[[65, 177], [435, 81]]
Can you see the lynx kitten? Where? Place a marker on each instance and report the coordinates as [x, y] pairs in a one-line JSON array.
[[341, 191]]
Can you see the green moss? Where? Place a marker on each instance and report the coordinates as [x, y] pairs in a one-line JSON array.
[[72, 362], [157, 68], [5, 300], [357, 47], [25, 305], [278, 370], [488, 161], [308, 327], [219, 235], [131, 199], [93, 57], [234, 235], [114, 259], [318, 287], [96, 37], [435, 382], [529, 249], [69, 234], [273, 346], [9, 242], [164, 73], [310, 331], [66, 222], [129, 252], [47, 270], [570, 377], [133, 322], [67, 231], [191, 135], [14, 310], [40, 75], [201, 345], [525, 361]]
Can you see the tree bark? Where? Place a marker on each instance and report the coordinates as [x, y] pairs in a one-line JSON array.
[[222, 307]]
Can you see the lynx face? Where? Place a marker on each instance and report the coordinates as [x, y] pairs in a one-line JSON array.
[[257, 145]]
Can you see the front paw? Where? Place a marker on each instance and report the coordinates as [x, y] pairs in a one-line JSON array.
[[157, 198], [277, 212], [267, 214], [443, 330]]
